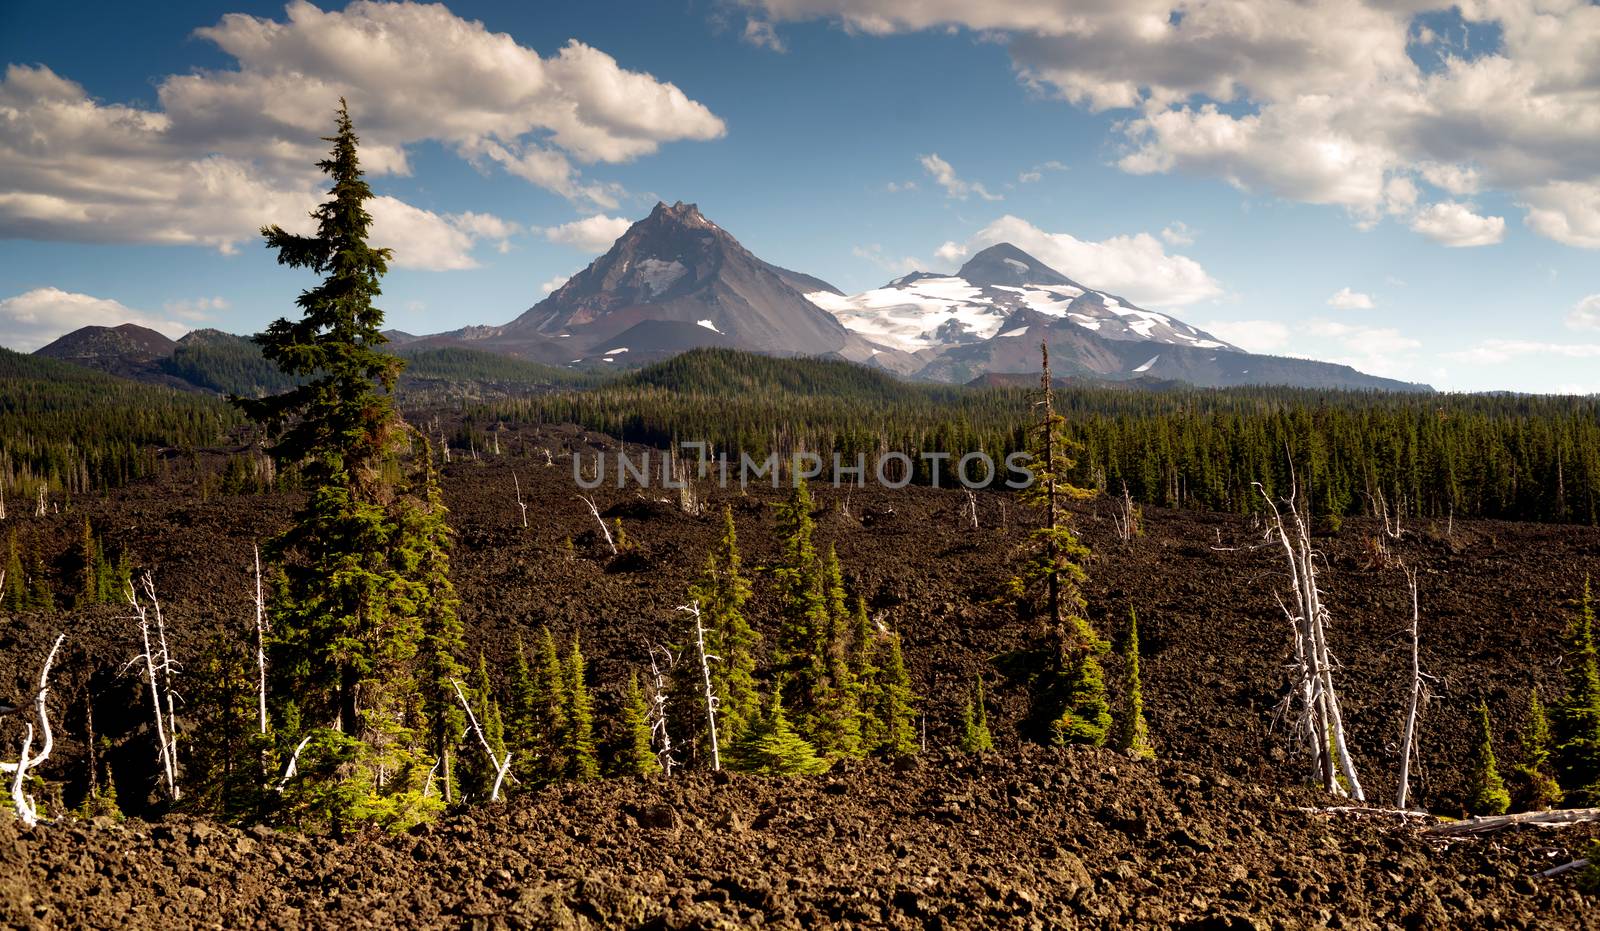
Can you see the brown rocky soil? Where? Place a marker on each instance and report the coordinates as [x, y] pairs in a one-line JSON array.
[[1049, 839], [1494, 595]]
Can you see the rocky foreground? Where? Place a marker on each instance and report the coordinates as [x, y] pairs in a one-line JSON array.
[[1075, 838]]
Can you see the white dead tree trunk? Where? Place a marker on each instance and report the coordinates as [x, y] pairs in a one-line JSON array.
[[1408, 742], [658, 708], [2, 502], [705, 673], [604, 530], [972, 508], [1126, 517], [27, 809], [517, 484], [501, 766], [261, 647], [294, 765], [158, 670], [1319, 718], [42, 509]]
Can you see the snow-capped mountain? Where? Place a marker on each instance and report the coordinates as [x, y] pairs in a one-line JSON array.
[[923, 311]]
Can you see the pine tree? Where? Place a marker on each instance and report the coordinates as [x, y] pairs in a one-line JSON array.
[[895, 704], [1133, 734], [722, 592], [1536, 788], [583, 765], [638, 756], [15, 595], [864, 667], [975, 736], [1575, 719], [552, 702], [523, 732], [1070, 692], [834, 725], [443, 638], [772, 746], [1486, 792], [476, 773], [89, 556], [802, 603], [349, 626]]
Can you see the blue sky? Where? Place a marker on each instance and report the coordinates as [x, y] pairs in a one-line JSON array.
[[877, 136]]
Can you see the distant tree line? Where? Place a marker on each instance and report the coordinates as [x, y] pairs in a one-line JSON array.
[[1432, 456]]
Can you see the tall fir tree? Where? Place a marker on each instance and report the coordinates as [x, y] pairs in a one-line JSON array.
[[1575, 719], [722, 592], [583, 763], [1133, 734], [865, 653], [477, 772], [1486, 791], [975, 736], [834, 722], [15, 595], [443, 637], [1047, 589], [91, 578], [896, 703], [1536, 787], [802, 604], [637, 756], [553, 702], [348, 627]]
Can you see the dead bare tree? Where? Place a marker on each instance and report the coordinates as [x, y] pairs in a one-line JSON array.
[[972, 508], [42, 509], [1318, 718], [293, 767], [1408, 742], [1126, 517], [604, 530], [659, 733], [158, 670], [501, 766], [261, 647], [27, 808], [705, 672], [517, 484]]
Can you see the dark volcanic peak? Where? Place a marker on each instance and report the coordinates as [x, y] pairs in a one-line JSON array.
[[678, 268], [128, 342], [1005, 264]]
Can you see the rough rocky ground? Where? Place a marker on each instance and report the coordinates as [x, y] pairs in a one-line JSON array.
[[1048, 839], [1494, 595]]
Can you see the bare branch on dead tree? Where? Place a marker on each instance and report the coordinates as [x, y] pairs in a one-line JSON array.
[[604, 530], [27, 808]]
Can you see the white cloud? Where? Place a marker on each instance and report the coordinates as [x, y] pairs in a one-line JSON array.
[[1137, 266], [1315, 102], [227, 150], [590, 234], [1455, 225], [196, 309], [1585, 315], [1377, 350], [35, 318], [1493, 351], [951, 252], [759, 32], [899, 187], [945, 176], [874, 253], [554, 283], [1346, 299], [1266, 336], [1178, 233], [1036, 173]]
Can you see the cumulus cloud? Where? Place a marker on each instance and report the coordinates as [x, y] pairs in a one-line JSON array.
[[1585, 315], [1379, 350], [1265, 336], [1356, 104], [1346, 299], [553, 284], [1455, 225], [1137, 266], [590, 234], [226, 150], [945, 176], [35, 318], [1036, 173]]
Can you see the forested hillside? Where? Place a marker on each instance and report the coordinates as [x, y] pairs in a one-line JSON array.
[[1532, 458]]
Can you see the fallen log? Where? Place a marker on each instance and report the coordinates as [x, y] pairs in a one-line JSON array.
[[1501, 822], [1565, 868]]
